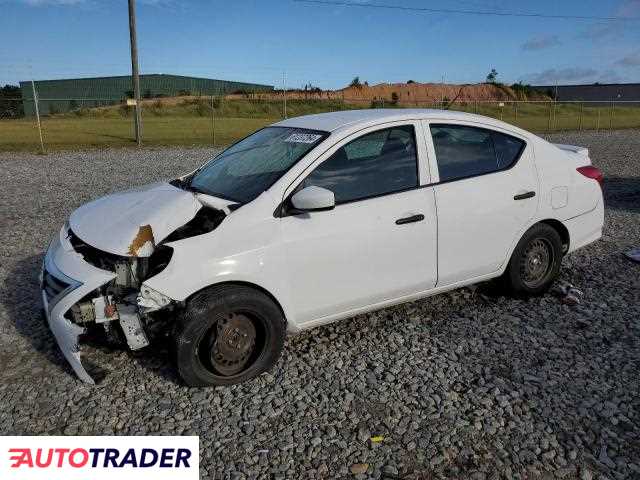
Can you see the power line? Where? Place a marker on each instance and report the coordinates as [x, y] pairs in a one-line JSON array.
[[461, 12]]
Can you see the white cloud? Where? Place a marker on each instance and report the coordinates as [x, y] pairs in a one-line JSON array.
[[37, 3], [541, 42], [614, 30], [562, 75], [574, 75], [598, 31], [40, 3], [631, 60], [628, 8]]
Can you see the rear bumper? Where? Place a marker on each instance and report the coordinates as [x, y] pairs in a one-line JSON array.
[[67, 278], [586, 228]]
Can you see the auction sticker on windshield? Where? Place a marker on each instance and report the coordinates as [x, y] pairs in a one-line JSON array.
[[99, 458], [303, 138]]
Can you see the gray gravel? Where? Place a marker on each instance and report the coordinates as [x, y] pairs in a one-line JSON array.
[[468, 384]]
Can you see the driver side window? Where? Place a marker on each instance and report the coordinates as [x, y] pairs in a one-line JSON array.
[[374, 164]]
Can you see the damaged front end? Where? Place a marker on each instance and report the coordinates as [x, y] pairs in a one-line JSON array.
[[122, 302], [87, 289]]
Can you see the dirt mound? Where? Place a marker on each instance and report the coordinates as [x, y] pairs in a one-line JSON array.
[[409, 93], [428, 92]]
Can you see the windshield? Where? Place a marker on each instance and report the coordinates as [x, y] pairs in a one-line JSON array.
[[251, 166]]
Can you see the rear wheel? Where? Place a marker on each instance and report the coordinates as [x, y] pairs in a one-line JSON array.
[[228, 334], [535, 262]]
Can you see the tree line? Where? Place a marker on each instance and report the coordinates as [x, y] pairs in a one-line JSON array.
[[11, 102]]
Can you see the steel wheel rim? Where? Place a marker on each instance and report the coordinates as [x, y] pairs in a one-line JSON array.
[[231, 345], [536, 263]]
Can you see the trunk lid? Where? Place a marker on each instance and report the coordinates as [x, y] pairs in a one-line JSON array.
[[578, 155]]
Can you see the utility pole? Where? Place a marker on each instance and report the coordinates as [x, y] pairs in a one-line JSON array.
[[37, 109], [134, 70]]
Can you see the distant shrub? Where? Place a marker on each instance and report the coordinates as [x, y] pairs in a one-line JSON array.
[[81, 112], [521, 90], [10, 104], [202, 109], [243, 92], [309, 87], [157, 108]]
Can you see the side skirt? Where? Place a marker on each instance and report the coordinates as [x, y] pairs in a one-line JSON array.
[[395, 301]]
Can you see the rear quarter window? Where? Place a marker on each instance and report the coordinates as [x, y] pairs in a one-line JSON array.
[[508, 149]]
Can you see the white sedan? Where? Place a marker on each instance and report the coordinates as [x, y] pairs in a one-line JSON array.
[[315, 219]]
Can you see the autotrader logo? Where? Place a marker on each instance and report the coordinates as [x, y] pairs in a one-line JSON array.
[[71, 458]]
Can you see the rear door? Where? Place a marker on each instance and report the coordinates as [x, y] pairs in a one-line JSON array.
[[486, 194], [379, 242]]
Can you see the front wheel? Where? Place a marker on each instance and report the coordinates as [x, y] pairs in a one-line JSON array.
[[535, 262], [228, 334]]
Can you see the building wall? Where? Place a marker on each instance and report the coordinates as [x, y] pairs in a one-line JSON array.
[[594, 93], [64, 95]]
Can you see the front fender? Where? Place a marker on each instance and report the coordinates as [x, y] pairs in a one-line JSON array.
[[234, 252]]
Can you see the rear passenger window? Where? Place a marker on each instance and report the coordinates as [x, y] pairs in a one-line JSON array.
[[375, 164], [508, 149], [463, 151]]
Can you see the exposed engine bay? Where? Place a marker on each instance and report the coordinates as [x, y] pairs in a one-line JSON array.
[[122, 309]]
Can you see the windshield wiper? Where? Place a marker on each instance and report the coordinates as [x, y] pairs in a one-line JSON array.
[[183, 184], [219, 195]]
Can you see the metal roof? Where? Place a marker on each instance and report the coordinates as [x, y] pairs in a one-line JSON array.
[[332, 121]]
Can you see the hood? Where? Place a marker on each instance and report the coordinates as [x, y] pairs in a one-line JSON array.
[[133, 222]]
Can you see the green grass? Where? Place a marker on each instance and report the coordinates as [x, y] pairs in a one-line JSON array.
[[70, 133], [188, 122], [543, 117]]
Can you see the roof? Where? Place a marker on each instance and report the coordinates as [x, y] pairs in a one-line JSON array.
[[597, 92], [142, 76], [332, 121], [588, 85]]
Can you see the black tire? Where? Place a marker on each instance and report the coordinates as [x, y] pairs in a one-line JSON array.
[[214, 335], [535, 262]]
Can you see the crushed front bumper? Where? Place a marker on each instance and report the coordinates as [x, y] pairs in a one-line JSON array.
[[66, 278]]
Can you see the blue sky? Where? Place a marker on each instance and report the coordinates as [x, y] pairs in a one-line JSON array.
[[252, 40]]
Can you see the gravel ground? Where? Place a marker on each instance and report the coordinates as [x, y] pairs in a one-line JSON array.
[[468, 384]]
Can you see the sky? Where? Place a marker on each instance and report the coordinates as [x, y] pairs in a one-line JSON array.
[[326, 45]]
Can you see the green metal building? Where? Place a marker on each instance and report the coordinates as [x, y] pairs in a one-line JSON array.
[[58, 96]]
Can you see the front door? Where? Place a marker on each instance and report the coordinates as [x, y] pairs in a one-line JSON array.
[[378, 243]]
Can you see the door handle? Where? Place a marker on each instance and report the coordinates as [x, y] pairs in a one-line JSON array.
[[413, 218], [522, 196]]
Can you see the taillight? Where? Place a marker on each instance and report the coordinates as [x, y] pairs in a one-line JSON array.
[[592, 172]]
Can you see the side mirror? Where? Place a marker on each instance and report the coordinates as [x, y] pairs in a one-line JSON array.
[[313, 199]]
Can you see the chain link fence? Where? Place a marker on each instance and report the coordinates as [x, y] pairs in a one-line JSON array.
[[72, 123]]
